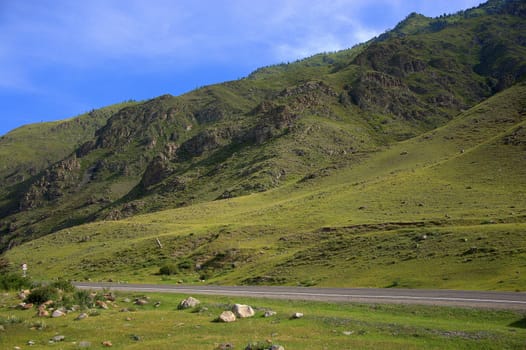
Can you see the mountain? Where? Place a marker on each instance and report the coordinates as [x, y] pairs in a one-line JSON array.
[[342, 161]]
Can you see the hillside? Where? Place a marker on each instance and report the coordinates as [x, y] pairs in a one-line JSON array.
[[358, 167]]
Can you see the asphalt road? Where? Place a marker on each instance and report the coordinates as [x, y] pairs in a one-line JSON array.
[[475, 299]]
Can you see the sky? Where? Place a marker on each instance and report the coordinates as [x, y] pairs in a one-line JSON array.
[[62, 58]]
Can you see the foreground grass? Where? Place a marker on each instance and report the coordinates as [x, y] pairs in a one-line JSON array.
[[325, 326]]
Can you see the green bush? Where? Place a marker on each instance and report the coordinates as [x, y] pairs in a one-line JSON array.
[[185, 264], [13, 281], [64, 285], [83, 298], [42, 294], [168, 269]]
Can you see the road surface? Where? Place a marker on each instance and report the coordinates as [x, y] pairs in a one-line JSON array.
[[475, 299]]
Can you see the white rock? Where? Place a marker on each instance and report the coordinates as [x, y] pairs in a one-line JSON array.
[[243, 311], [57, 313], [227, 316], [189, 303]]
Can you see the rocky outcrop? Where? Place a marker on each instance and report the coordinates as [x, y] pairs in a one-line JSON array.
[[158, 169], [205, 141], [53, 183]]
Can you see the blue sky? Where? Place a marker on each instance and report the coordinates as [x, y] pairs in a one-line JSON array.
[[60, 58]]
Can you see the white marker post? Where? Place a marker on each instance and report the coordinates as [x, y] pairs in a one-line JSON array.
[[24, 269]]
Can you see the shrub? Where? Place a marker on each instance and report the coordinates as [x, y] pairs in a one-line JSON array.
[[13, 281], [63, 285], [42, 294], [185, 264], [168, 269], [82, 298]]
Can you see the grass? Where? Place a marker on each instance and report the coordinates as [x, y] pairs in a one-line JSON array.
[[325, 326]]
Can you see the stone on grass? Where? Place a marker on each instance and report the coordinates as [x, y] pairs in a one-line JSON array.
[[58, 338], [227, 316], [276, 347], [188, 303], [84, 344], [107, 343], [243, 311], [297, 315], [269, 313], [225, 346], [24, 306], [102, 304], [82, 316], [57, 313], [42, 312], [141, 302]]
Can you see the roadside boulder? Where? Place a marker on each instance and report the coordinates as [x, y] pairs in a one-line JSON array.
[[57, 313], [188, 303], [243, 311], [227, 317]]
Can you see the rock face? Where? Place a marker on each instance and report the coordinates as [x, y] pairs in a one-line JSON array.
[[188, 303], [243, 311], [227, 316]]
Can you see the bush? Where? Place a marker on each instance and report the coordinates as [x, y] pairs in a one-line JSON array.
[[42, 294], [168, 269], [63, 285], [83, 298], [13, 281], [185, 264]]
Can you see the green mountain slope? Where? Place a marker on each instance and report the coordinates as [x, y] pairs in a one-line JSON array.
[[329, 170], [415, 215], [29, 149]]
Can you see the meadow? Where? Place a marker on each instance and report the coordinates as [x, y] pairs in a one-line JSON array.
[[324, 326]]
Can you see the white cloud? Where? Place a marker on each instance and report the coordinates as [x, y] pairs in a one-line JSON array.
[[158, 33]]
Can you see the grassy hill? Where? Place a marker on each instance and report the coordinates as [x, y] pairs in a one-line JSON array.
[[423, 213], [399, 162]]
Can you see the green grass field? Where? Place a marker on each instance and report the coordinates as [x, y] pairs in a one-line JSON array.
[[324, 326]]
